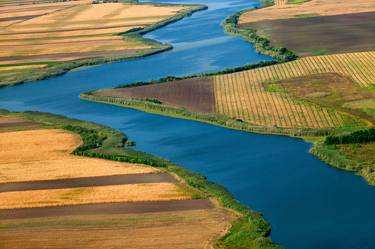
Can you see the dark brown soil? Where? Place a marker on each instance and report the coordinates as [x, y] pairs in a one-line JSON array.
[[321, 35], [16, 124], [105, 208], [15, 18], [195, 95], [13, 123], [87, 182]]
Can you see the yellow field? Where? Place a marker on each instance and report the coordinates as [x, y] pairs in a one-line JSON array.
[[63, 31], [44, 155], [165, 230], [88, 16], [243, 95], [82, 19], [103, 194], [313, 7], [163, 207]]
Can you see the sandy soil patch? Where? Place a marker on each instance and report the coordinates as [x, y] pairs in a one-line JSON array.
[[170, 230], [314, 7], [44, 154], [103, 194]]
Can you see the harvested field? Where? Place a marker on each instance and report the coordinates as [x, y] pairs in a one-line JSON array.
[[17, 18], [313, 7], [35, 32], [90, 195], [87, 16], [87, 182], [58, 41], [12, 14], [44, 155], [244, 95], [194, 94], [320, 35], [83, 47], [105, 209], [253, 96], [167, 230]]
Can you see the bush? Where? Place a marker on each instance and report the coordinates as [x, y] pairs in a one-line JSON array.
[[363, 136]]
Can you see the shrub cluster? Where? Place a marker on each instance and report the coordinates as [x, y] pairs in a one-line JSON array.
[[91, 138], [363, 136]]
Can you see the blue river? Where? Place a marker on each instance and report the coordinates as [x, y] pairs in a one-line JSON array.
[[310, 205]]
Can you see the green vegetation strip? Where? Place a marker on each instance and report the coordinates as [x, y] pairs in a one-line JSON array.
[[215, 119], [250, 230], [334, 156], [262, 45]]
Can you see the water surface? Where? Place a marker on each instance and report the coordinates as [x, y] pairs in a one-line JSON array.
[[309, 204]]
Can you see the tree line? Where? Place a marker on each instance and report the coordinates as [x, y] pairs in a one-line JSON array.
[[363, 136]]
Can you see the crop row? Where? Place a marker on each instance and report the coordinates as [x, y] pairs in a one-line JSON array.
[[242, 96]]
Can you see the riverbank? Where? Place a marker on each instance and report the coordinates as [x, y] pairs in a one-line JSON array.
[[309, 93], [249, 230], [21, 69], [328, 154]]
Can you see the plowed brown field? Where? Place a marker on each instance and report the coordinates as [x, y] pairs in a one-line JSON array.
[[194, 94]]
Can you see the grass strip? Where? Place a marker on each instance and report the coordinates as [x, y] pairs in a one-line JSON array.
[[215, 119]]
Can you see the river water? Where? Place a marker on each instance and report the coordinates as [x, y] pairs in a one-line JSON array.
[[309, 204]]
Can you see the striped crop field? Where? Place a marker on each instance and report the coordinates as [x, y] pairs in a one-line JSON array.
[[242, 95]]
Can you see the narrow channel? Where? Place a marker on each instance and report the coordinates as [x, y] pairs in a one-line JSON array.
[[309, 204]]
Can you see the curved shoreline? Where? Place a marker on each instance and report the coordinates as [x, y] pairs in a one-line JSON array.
[[249, 229], [157, 47]]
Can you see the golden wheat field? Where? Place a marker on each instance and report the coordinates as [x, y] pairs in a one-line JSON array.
[[101, 194], [60, 31], [45, 155], [243, 95]]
